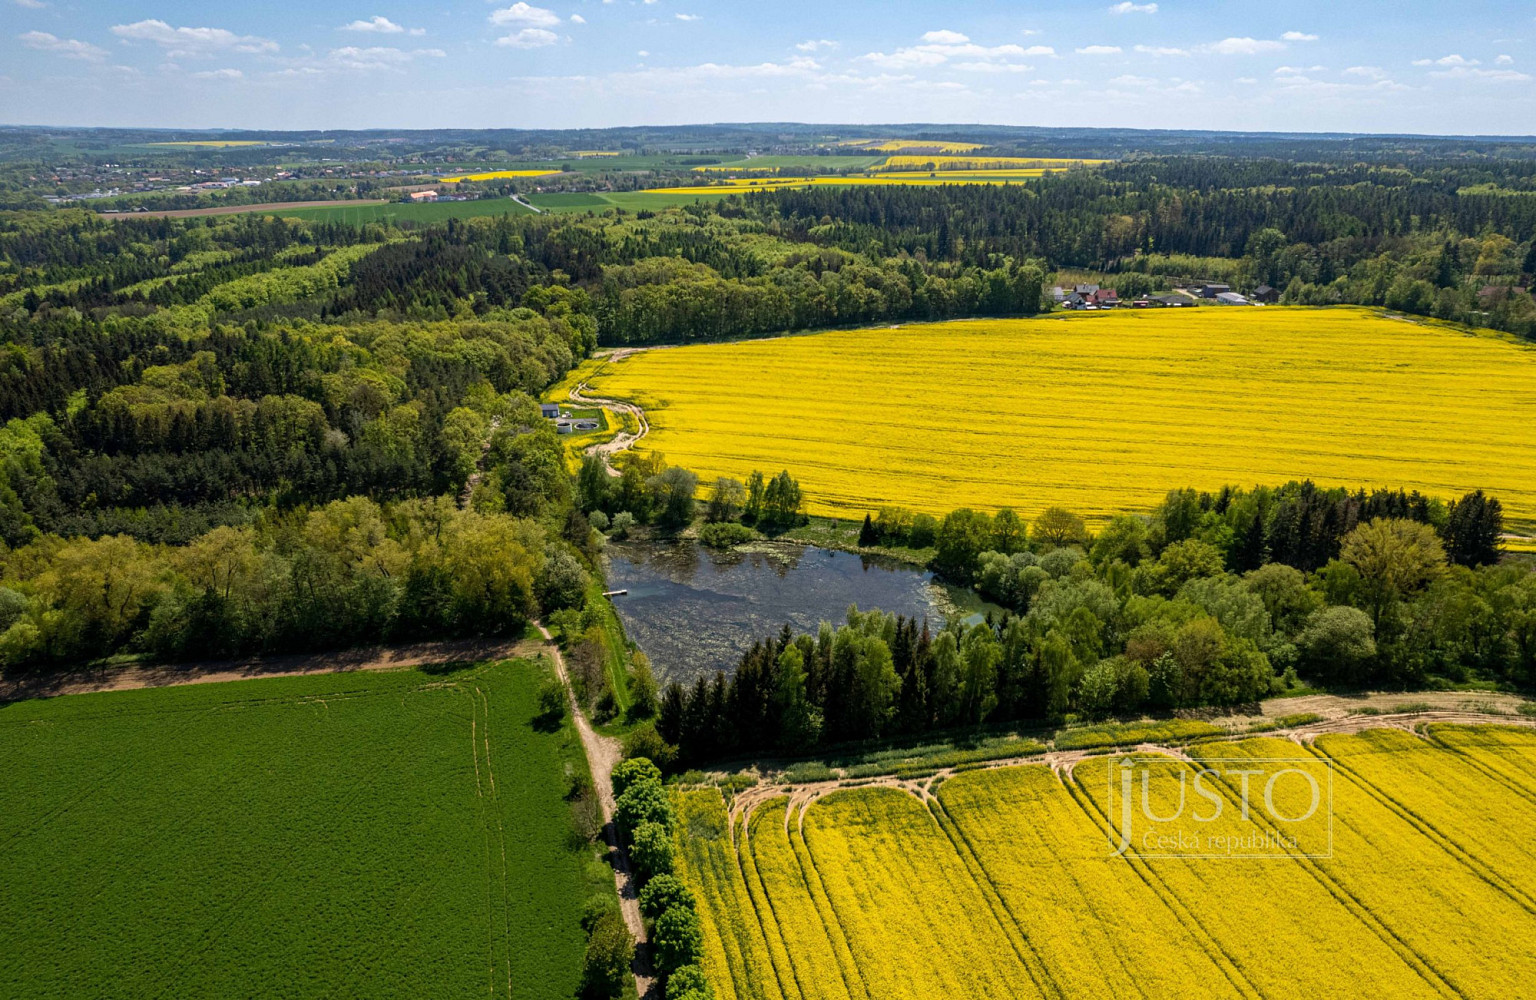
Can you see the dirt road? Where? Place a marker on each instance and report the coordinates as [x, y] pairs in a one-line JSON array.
[[1445, 708], [127, 677], [623, 440], [603, 753]]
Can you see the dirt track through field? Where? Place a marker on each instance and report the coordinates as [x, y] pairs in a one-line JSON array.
[[603, 754], [270, 206], [623, 440], [87, 680], [803, 795]]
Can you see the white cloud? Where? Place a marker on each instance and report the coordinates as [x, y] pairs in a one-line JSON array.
[[1244, 46], [528, 38], [1469, 73], [1245, 79], [359, 59], [1301, 85], [526, 14], [1451, 60], [219, 74], [1281, 70], [1161, 50], [30, 4], [1126, 7], [1369, 72], [993, 67], [642, 53], [1298, 36], [687, 17], [382, 25], [798, 66], [816, 45], [1133, 81], [578, 19], [941, 46], [1504, 60], [67, 47], [1099, 50], [192, 41]]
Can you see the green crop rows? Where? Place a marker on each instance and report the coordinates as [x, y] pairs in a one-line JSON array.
[[348, 835]]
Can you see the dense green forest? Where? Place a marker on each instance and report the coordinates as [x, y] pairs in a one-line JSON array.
[[176, 392], [1212, 600]]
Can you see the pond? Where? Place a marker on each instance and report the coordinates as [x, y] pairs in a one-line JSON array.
[[694, 610]]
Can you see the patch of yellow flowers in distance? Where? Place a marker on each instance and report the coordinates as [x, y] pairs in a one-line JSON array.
[[496, 175], [1101, 413], [897, 145], [948, 163], [743, 185]]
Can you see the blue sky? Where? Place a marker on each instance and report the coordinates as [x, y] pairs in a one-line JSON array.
[[1409, 66]]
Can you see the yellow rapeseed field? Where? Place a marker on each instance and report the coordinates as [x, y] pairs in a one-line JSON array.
[[496, 175], [897, 145], [1100, 413], [1006, 874], [743, 185], [947, 163]]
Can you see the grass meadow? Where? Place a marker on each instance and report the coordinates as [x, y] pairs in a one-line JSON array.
[[427, 212], [369, 835], [1101, 413]]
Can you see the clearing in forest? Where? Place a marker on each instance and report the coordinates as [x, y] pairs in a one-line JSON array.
[[1006, 874], [1098, 412], [400, 834]]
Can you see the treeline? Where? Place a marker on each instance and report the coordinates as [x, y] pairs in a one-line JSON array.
[[669, 300], [349, 573], [1183, 608], [1093, 218]]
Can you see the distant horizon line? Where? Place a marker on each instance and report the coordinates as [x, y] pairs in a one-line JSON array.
[[833, 126]]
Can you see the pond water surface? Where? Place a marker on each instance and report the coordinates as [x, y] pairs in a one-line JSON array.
[[694, 610]]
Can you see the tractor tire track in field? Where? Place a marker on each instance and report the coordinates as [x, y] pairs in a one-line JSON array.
[[1433, 834], [802, 796], [1489, 770], [1219, 956], [771, 927], [1363, 914], [1002, 914], [603, 753], [848, 965]]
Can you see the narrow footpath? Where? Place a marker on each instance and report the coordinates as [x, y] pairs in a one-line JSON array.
[[603, 753]]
